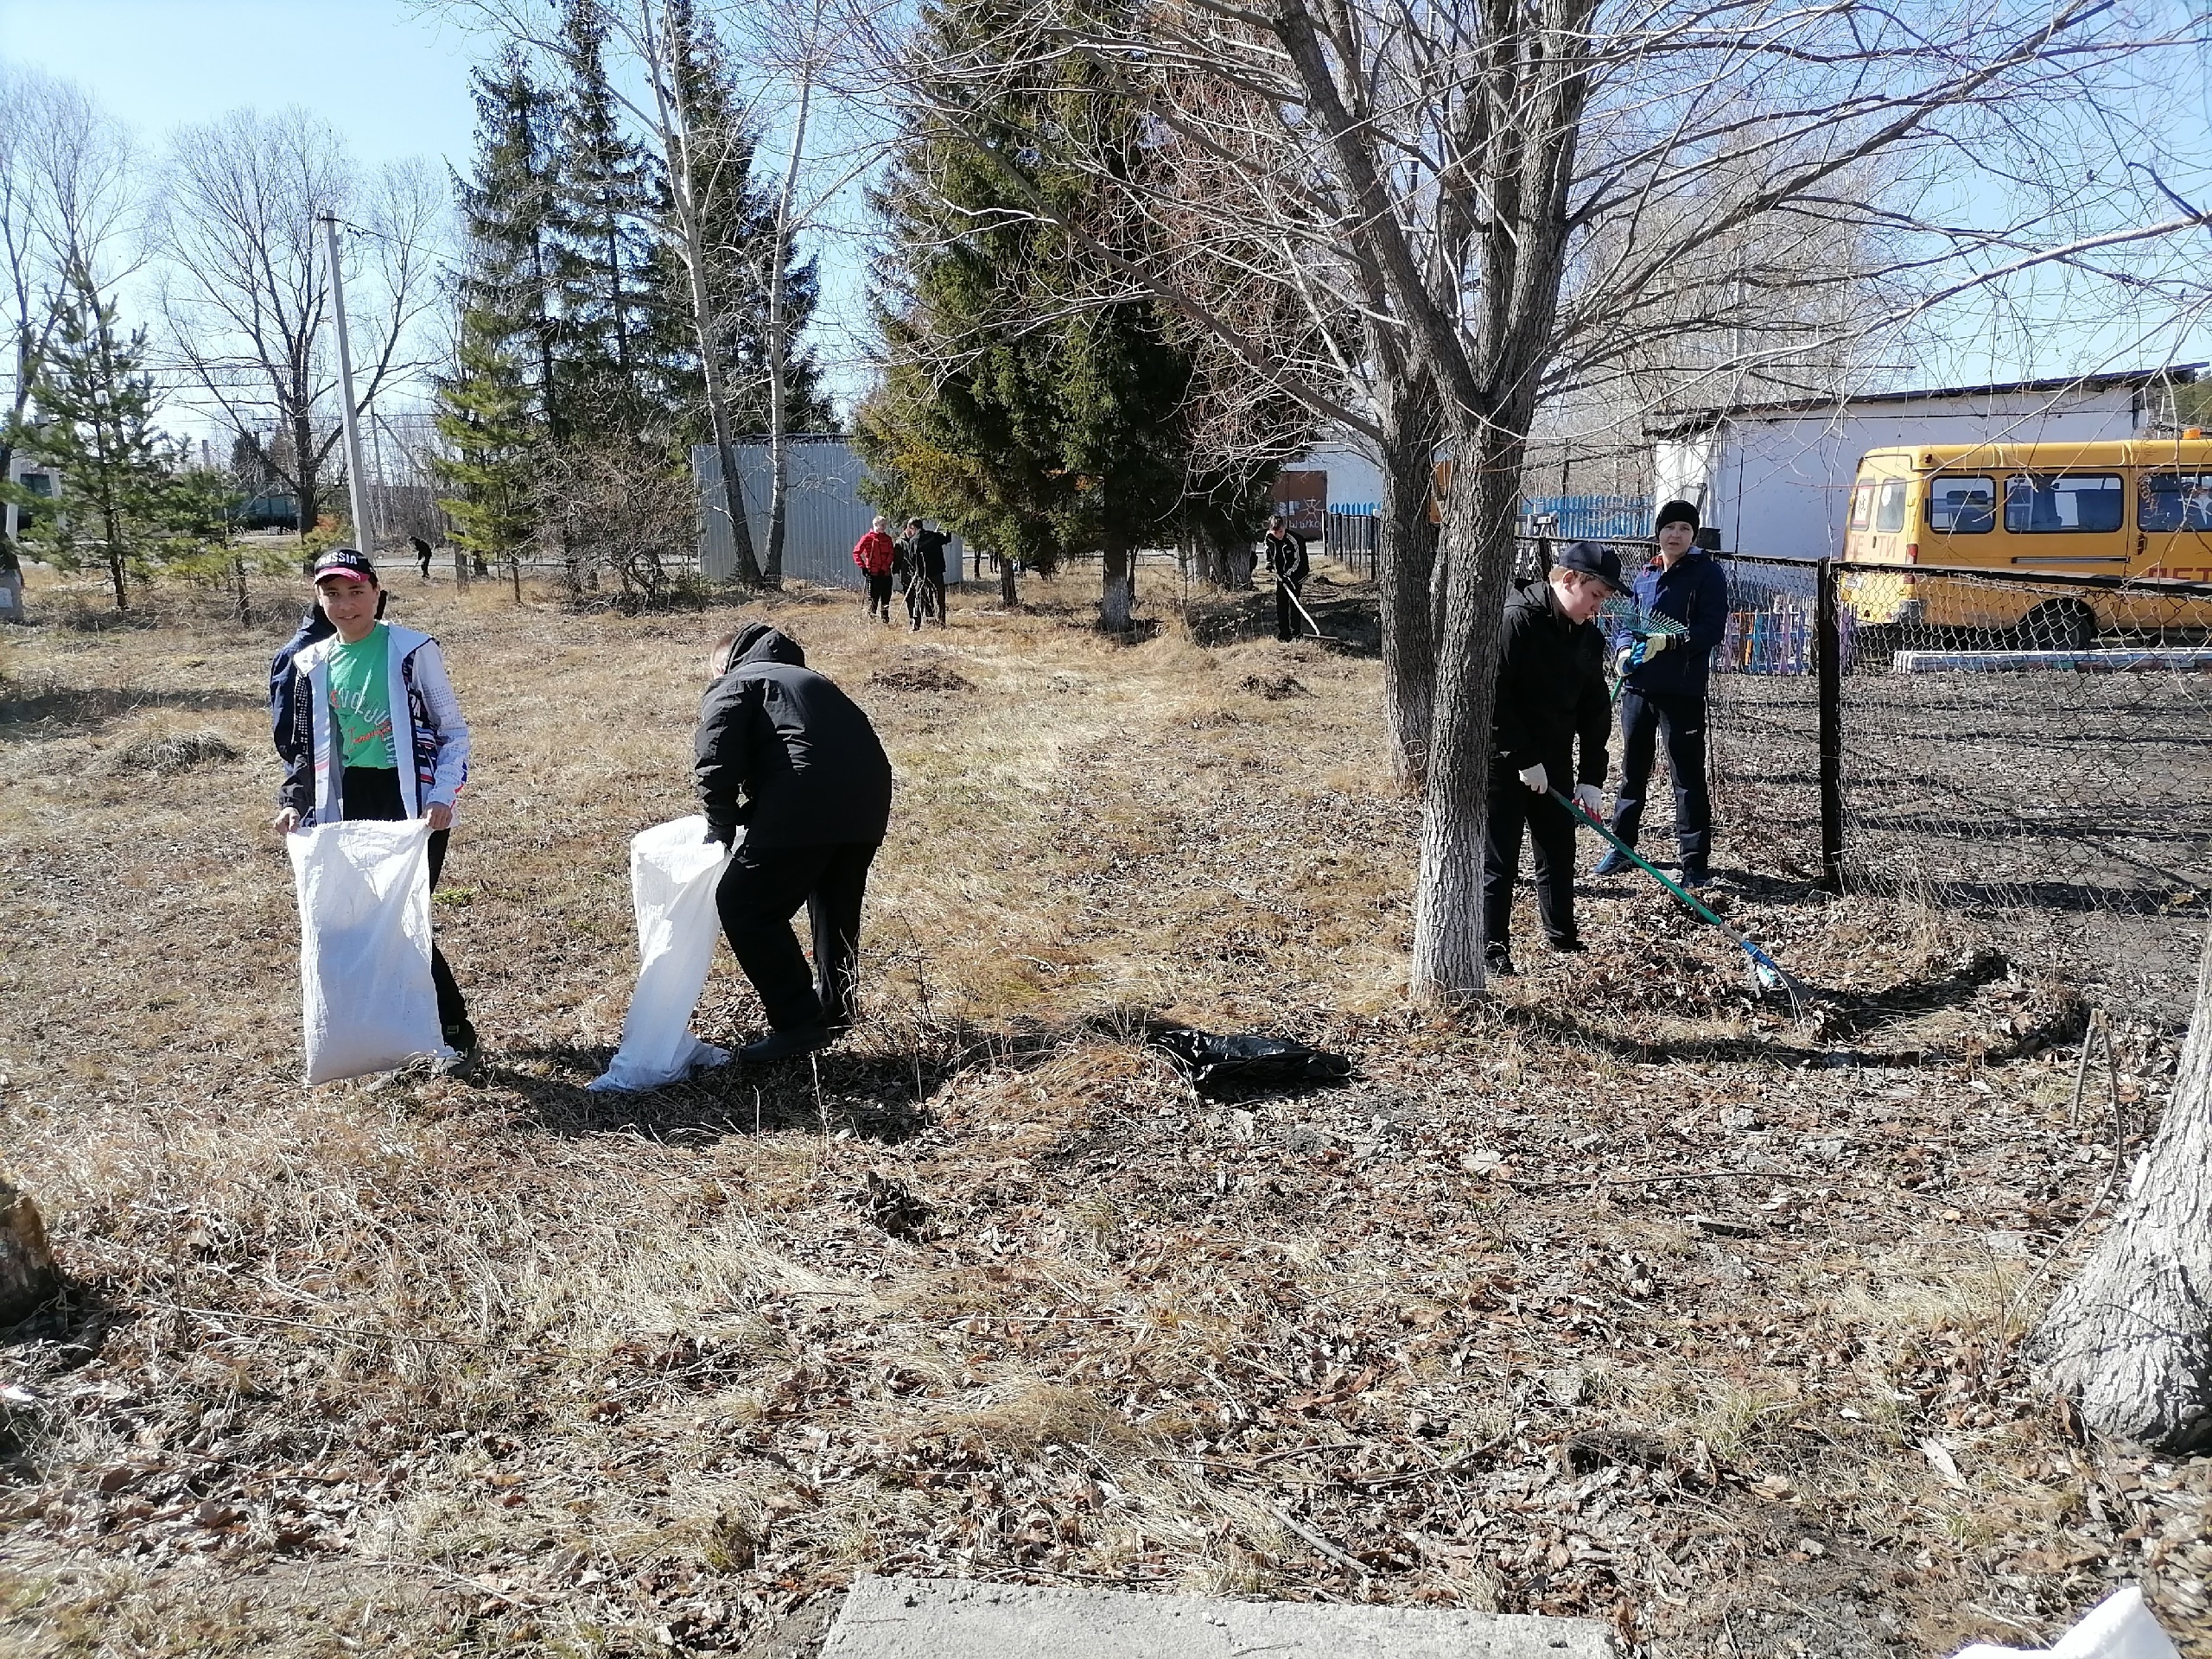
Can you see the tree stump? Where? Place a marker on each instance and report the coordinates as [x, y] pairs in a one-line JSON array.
[[27, 1271], [2131, 1338]]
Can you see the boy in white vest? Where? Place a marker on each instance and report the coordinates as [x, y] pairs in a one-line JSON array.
[[369, 728]]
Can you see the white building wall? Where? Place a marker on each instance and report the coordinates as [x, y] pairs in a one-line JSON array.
[[1355, 480], [1779, 484]]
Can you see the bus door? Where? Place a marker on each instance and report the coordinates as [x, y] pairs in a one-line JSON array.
[[2173, 538]]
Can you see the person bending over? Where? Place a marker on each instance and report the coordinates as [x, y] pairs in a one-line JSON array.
[[1551, 690], [368, 727], [787, 755], [1664, 692]]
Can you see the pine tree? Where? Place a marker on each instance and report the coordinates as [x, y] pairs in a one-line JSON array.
[[485, 417], [1032, 433], [93, 422]]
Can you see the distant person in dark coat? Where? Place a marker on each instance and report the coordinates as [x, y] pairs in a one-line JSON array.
[[422, 555], [1286, 555], [925, 578], [1664, 676], [1551, 692], [787, 755]]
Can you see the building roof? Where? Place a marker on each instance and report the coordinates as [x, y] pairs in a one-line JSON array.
[[1681, 422]]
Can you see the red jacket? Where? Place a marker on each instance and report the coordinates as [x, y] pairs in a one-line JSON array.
[[873, 553]]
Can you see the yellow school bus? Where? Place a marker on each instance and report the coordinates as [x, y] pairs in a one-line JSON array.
[[2134, 508]]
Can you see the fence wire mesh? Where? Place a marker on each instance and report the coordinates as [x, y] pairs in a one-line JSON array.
[[2033, 750]]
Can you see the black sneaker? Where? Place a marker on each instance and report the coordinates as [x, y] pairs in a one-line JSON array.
[[1695, 876], [783, 1045], [1566, 947], [462, 1039], [1497, 962]]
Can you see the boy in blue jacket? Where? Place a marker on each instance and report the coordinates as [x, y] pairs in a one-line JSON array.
[[1664, 693]]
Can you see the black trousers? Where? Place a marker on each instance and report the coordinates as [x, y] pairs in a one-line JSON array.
[[759, 893], [878, 594], [925, 598], [1551, 832], [1285, 591], [373, 792], [1645, 717]]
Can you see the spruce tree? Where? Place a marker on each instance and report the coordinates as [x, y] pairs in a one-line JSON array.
[[93, 422], [1033, 431], [739, 219], [485, 417], [507, 213], [604, 194]]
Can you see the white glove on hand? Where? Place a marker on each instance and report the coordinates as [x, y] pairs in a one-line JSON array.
[[1656, 643], [1591, 799], [1537, 777]]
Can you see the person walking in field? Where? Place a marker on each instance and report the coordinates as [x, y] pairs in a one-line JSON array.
[[1285, 550], [1663, 692], [422, 555], [368, 727], [784, 755], [1551, 692], [926, 573], [875, 553]]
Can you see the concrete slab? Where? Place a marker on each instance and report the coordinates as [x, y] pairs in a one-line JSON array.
[[953, 1618]]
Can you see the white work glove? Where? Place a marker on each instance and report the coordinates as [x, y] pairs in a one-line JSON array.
[[1591, 799], [1630, 657], [1537, 777]]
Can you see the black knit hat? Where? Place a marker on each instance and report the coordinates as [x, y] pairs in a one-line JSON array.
[[1676, 513]]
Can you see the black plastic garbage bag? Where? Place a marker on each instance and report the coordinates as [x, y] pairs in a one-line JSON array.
[[1248, 1061]]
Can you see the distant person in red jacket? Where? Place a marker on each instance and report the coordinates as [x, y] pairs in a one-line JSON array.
[[874, 553]]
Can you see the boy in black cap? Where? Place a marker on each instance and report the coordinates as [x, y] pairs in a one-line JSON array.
[[1551, 690], [1665, 676]]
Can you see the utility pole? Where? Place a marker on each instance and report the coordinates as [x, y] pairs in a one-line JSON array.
[[357, 475]]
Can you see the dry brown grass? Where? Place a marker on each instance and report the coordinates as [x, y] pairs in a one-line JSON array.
[[506, 1367]]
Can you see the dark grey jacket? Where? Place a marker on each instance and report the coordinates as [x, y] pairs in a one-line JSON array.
[[782, 751]]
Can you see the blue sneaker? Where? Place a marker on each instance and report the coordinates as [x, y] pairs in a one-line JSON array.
[[1614, 863]]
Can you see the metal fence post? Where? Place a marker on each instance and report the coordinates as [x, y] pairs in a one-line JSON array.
[[1828, 671]]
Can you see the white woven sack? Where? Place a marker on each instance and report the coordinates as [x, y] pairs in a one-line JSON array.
[[2119, 1627], [674, 870], [368, 1000]]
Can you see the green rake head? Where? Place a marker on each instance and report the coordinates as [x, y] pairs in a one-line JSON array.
[[1621, 615]]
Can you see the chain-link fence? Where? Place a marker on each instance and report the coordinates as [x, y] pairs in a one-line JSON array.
[[2034, 748]]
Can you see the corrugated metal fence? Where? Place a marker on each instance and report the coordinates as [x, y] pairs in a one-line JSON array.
[[823, 514], [1590, 518]]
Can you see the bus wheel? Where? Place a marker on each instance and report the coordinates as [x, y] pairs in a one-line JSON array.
[[2059, 624]]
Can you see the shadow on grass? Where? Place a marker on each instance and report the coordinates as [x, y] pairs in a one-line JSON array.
[[73, 711]]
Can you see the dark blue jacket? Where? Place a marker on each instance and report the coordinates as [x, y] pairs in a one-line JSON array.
[[1695, 592]]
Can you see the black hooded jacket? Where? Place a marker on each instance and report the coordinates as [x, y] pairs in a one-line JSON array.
[[782, 751], [1551, 689]]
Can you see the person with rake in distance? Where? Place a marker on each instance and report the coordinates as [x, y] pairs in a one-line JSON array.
[[369, 728], [1285, 550], [876, 553], [1663, 691], [1551, 691], [784, 754]]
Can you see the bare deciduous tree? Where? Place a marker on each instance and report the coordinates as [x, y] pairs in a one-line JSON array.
[[68, 211], [247, 299]]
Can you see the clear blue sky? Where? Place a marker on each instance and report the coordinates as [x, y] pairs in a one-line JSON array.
[[395, 82]]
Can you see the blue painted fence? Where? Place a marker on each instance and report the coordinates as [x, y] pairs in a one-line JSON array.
[[1591, 517]]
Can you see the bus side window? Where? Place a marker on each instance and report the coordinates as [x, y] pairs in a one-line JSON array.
[[2069, 502], [1862, 505], [1962, 506], [1888, 510], [2175, 501]]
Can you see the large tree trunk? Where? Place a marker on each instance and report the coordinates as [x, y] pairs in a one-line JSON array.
[[2131, 1338], [1476, 558], [1406, 558], [1116, 598]]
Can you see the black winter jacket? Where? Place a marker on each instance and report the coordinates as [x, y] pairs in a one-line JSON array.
[[1551, 689], [782, 751], [1286, 557]]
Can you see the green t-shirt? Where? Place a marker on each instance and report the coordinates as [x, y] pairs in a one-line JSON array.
[[360, 699]]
